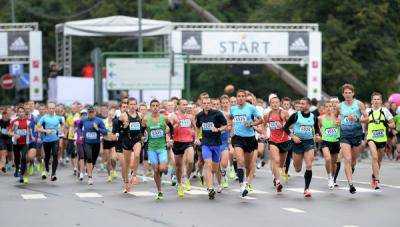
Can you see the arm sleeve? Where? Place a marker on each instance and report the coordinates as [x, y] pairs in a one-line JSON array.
[[292, 119], [387, 114]]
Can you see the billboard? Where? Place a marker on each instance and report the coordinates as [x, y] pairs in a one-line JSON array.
[[144, 73], [241, 44]]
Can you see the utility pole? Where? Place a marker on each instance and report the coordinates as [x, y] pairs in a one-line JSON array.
[[140, 39], [12, 11]]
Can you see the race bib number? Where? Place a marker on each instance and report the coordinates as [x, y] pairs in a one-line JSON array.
[[156, 133], [91, 135], [4, 131], [331, 131], [378, 134], [21, 132], [239, 119], [208, 126], [305, 128], [134, 126], [185, 123], [274, 125]]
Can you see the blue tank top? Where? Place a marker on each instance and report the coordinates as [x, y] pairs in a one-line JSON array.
[[240, 116], [304, 127], [350, 128]]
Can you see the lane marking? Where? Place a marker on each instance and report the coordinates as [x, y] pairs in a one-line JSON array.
[[33, 196], [252, 192], [350, 226], [88, 195], [248, 198], [141, 193], [301, 190], [293, 210], [359, 189], [196, 192]]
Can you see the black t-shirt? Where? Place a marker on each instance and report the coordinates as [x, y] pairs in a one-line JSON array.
[[133, 131], [4, 124], [206, 122]]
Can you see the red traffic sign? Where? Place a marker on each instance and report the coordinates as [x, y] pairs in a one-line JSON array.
[[7, 81]]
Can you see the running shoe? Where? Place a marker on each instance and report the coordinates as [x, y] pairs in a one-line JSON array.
[[331, 184], [278, 187], [109, 179], [201, 180], [8, 167], [21, 179], [188, 187], [180, 190], [250, 187], [243, 190], [219, 189], [81, 176], [274, 182], [44, 175], [90, 181], [352, 189], [16, 173], [159, 196], [373, 183], [307, 193], [285, 177], [377, 185], [3, 169], [225, 183], [75, 172], [211, 193], [26, 179], [258, 165], [114, 174], [53, 178], [173, 180], [336, 184], [232, 174]]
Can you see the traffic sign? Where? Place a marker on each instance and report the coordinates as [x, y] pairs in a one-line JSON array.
[[7, 82]]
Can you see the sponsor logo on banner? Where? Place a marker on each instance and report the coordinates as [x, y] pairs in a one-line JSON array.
[[35, 64], [315, 64], [191, 42], [18, 43], [298, 43]]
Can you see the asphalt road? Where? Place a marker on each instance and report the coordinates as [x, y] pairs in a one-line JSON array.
[[44, 203]]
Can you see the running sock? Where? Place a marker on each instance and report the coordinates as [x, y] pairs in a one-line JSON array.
[[353, 169], [337, 171], [307, 178], [235, 166], [240, 173]]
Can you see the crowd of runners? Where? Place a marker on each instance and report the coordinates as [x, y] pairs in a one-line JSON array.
[[221, 141]]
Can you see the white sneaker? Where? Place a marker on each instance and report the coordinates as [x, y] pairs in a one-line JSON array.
[[331, 184], [259, 165], [81, 176], [219, 189], [90, 181], [243, 190]]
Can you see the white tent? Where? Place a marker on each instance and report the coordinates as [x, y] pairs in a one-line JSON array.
[[114, 26]]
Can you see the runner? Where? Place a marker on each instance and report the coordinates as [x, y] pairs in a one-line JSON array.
[[379, 122], [305, 130], [226, 153], [329, 125], [279, 140], [19, 129], [50, 125], [211, 123], [351, 134], [79, 144], [183, 124], [243, 117], [158, 131], [5, 139], [70, 119], [109, 142], [92, 128], [397, 132]]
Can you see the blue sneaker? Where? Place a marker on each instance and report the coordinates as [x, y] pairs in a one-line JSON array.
[[16, 174]]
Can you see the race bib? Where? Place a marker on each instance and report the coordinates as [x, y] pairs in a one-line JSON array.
[[134, 126], [239, 119], [305, 128], [274, 125], [207, 126], [378, 134], [4, 131], [21, 132], [331, 131], [91, 135], [185, 123], [156, 133]]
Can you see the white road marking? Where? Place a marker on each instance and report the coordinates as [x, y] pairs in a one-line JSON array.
[[350, 226], [33, 196], [358, 182], [301, 190], [196, 192], [88, 195], [248, 198], [142, 193], [293, 210], [359, 189], [253, 192]]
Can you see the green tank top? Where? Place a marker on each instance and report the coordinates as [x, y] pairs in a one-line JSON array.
[[330, 131], [377, 126], [156, 133]]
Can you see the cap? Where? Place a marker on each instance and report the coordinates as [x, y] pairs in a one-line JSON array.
[[271, 96], [84, 111], [90, 109]]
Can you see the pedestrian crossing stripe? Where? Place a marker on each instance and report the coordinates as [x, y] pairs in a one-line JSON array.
[[294, 210], [301, 190], [359, 189], [141, 193], [33, 196], [248, 198], [88, 195], [196, 192]]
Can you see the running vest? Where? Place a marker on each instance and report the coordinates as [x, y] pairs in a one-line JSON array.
[[350, 128], [304, 127], [21, 130], [156, 133], [277, 134], [134, 129], [184, 131], [108, 126], [377, 126], [330, 131]]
